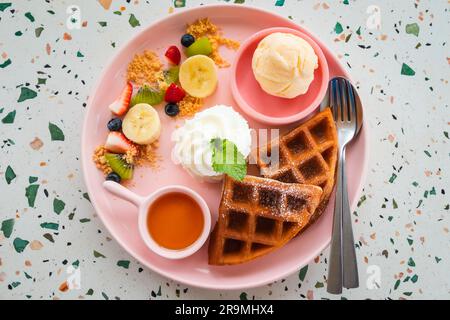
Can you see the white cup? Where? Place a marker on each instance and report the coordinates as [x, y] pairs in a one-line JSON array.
[[143, 204]]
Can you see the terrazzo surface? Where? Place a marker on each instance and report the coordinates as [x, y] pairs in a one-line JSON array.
[[47, 70]]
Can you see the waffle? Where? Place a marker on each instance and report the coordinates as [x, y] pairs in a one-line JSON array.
[[257, 216], [307, 155]]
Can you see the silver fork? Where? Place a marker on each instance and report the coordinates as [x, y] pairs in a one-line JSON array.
[[347, 112]]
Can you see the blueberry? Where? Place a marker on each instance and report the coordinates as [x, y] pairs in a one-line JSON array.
[[172, 109], [113, 177], [187, 40], [115, 124]]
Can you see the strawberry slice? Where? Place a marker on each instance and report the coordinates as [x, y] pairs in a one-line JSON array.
[[174, 94], [121, 105], [118, 143], [174, 55]]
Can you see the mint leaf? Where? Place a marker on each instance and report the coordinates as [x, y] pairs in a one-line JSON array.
[[227, 159]]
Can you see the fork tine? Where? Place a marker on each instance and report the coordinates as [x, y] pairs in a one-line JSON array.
[[345, 101], [351, 112], [338, 101], [353, 108], [332, 97]]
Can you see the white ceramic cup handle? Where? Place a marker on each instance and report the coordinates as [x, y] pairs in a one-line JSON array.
[[122, 192]]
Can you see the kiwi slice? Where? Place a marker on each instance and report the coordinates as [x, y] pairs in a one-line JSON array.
[[200, 46], [119, 165], [171, 75], [147, 95]]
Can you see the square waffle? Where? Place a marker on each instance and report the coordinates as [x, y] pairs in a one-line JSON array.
[[257, 216], [307, 155]]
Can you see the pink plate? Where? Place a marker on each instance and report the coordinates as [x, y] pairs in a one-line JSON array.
[[263, 107], [120, 217]]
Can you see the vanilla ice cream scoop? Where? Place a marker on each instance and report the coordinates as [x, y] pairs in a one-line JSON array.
[[284, 64]]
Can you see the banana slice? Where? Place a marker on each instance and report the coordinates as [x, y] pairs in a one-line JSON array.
[[198, 76], [141, 124]]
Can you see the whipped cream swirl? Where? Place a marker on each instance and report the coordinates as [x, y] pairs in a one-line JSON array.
[[193, 140]]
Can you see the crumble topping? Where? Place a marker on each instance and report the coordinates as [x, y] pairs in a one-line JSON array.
[[145, 68]]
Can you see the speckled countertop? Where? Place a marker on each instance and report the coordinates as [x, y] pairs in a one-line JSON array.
[[47, 222]]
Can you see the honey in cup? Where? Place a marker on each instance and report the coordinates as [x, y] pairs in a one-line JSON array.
[[175, 221]]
